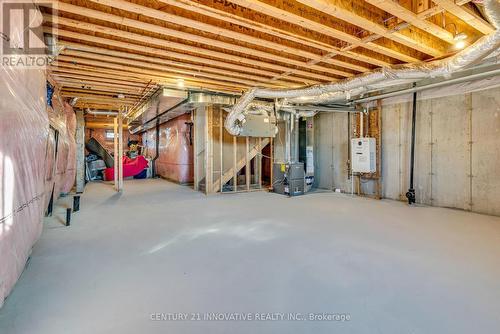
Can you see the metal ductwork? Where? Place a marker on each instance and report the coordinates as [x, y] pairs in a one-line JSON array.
[[378, 79]]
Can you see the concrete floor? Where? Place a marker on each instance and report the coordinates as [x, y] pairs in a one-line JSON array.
[[163, 248]]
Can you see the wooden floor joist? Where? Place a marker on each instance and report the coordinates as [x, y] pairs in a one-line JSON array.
[[399, 11], [280, 33], [172, 33], [109, 47], [188, 69], [281, 48], [465, 15]]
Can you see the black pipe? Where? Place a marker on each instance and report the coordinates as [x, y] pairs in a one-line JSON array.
[[68, 216], [411, 192], [76, 203]]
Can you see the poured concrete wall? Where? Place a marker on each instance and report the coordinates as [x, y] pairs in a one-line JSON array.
[[457, 155]]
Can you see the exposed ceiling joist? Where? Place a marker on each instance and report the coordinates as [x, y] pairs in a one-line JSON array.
[[135, 46], [274, 31], [177, 34], [132, 48], [342, 9], [280, 47], [466, 15], [188, 69], [398, 10]]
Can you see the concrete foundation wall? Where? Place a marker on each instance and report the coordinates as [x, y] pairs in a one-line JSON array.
[[456, 159]]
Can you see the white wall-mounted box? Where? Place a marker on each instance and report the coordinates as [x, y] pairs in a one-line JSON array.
[[363, 155]]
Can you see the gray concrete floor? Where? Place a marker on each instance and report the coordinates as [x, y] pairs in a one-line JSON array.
[[163, 248]]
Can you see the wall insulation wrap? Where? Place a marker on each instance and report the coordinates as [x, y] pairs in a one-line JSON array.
[[62, 118], [24, 127], [100, 136], [175, 160]]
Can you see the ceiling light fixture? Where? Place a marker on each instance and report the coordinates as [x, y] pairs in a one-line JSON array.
[[180, 83], [459, 44]]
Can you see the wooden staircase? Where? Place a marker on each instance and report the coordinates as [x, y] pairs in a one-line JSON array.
[[240, 164]]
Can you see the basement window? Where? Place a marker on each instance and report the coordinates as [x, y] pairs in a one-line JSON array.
[[109, 135]]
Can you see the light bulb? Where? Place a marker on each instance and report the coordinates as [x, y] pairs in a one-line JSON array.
[[460, 44]]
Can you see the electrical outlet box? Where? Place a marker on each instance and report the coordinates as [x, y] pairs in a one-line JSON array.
[[363, 155]]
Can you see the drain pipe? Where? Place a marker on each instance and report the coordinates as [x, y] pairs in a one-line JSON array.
[[411, 192]]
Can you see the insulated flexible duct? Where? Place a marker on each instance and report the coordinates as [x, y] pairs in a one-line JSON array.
[[379, 78]]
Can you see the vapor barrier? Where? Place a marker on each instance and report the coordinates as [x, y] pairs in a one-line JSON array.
[[175, 159], [24, 129]]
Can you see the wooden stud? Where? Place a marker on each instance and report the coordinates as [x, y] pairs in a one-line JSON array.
[[247, 162], [209, 157], [120, 151], [80, 151], [221, 148], [271, 159], [235, 163], [194, 129], [259, 165], [115, 152]]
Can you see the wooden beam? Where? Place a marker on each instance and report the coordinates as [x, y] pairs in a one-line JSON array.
[[403, 13], [80, 151], [202, 26], [271, 160], [342, 9], [120, 151], [83, 76], [466, 15], [69, 69], [194, 129], [152, 73], [235, 164], [172, 33], [115, 152], [321, 28], [102, 125], [93, 85], [154, 63], [209, 155], [193, 68], [221, 148], [167, 82], [247, 163], [241, 67], [259, 163], [237, 20]]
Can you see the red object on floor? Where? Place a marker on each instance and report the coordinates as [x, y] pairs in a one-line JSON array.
[[131, 167]]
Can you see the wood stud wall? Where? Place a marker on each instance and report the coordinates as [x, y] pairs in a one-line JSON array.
[[130, 47], [221, 158]]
